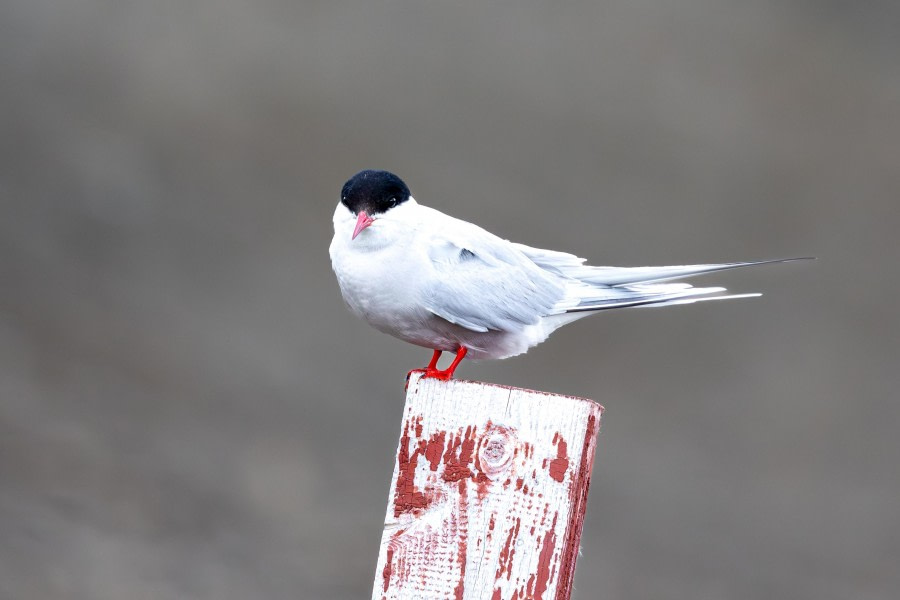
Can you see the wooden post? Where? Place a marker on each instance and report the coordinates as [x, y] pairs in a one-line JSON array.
[[488, 495]]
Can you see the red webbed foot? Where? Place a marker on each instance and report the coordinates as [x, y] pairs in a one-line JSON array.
[[443, 374]]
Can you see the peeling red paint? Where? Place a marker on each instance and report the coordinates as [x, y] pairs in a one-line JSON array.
[[435, 448], [578, 495], [508, 551], [463, 536], [386, 573], [483, 486], [496, 594], [459, 455], [397, 569], [544, 560], [504, 553], [460, 587], [560, 464], [406, 496]]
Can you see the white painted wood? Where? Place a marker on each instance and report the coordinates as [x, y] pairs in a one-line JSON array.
[[488, 494]]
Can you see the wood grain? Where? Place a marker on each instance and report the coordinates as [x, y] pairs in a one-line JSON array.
[[488, 494]]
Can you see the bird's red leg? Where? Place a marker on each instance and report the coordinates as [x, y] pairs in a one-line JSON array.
[[431, 369], [432, 366], [447, 373]]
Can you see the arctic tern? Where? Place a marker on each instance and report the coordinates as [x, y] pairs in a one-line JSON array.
[[448, 285]]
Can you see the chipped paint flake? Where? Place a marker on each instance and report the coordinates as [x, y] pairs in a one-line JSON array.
[[560, 464]]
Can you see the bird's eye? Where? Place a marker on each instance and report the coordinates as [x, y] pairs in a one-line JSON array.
[[392, 202]]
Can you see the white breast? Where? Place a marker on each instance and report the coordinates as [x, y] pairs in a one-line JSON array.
[[379, 273]]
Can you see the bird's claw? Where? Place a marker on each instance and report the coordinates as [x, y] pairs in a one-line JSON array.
[[443, 375], [427, 373]]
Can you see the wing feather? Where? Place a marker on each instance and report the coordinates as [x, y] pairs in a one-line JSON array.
[[484, 283], [569, 265]]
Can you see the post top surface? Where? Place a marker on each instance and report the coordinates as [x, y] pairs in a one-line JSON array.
[[416, 378]]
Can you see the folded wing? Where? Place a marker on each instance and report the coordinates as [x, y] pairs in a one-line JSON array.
[[483, 283]]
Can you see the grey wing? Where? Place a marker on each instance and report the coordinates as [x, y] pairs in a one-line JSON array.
[[486, 284]]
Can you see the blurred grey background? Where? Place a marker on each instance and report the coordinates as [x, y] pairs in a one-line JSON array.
[[188, 411]]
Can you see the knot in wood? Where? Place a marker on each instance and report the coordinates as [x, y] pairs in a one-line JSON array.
[[497, 450]]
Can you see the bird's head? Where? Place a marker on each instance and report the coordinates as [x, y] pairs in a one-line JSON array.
[[370, 195]]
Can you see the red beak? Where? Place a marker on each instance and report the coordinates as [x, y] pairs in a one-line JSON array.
[[362, 221]]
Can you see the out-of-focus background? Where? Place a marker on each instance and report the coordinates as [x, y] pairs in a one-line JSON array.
[[188, 411]]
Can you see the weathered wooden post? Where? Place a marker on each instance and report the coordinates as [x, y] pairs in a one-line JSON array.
[[488, 494]]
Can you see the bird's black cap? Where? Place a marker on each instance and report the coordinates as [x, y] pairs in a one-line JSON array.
[[374, 192]]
